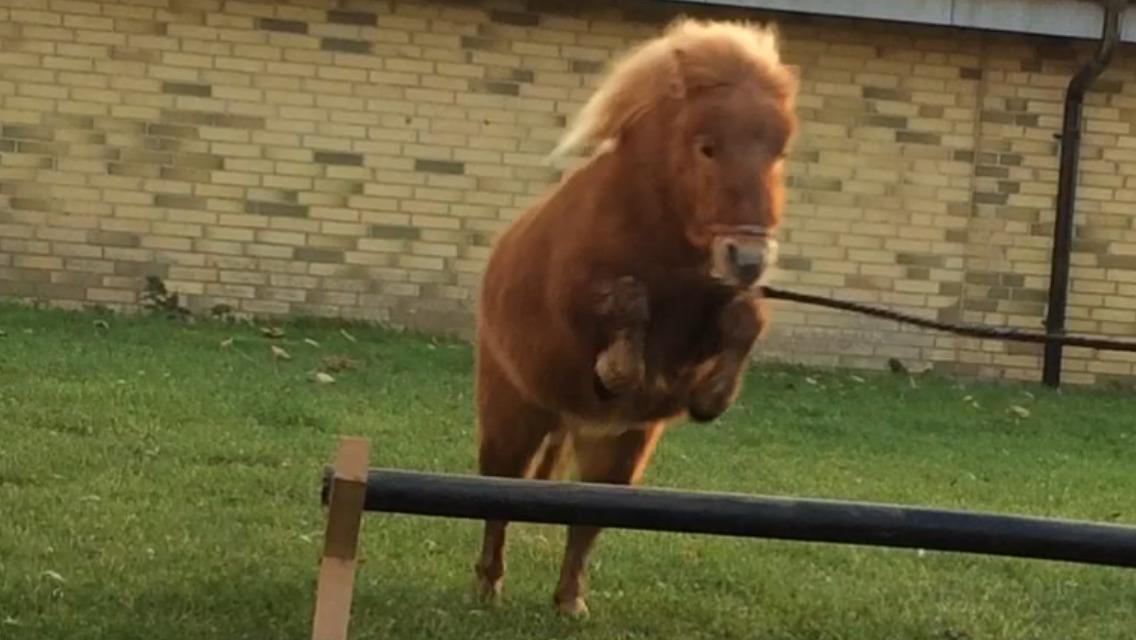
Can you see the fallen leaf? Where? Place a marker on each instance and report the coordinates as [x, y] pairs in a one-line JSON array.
[[334, 363], [350, 337], [3, 333], [312, 342], [11, 622], [810, 380], [272, 332], [101, 324], [53, 575], [856, 378], [1021, 411], [323, 378], [279, 353], [227, 342]]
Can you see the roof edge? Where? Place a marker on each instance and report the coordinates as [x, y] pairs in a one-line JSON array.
[[1081, 19]]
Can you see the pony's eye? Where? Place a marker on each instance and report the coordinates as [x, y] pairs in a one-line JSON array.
[[706, 148]]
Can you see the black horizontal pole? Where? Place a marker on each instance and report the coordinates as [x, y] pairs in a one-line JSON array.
[[567, 503]]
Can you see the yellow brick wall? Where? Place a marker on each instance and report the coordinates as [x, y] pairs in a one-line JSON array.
[[357, 157]]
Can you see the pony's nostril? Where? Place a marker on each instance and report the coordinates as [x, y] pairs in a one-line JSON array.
[[749, 272]]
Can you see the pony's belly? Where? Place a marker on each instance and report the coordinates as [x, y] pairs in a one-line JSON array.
[[601, 428], [542, 363]]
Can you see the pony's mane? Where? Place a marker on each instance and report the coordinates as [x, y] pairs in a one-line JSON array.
[[712, 53]]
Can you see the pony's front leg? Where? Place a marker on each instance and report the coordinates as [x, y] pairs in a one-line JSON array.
[[739, 324], [622, 307]]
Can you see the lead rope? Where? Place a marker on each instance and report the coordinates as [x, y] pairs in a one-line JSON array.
[[963, 329]]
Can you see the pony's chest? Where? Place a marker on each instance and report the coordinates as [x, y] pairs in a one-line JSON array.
[[681, 324]]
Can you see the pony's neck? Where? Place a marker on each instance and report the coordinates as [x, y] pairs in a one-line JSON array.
[[656, 211]]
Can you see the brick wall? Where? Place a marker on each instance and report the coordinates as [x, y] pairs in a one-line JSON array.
[[357, 157]]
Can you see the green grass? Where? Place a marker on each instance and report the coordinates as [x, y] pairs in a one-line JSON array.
[[156, 484]]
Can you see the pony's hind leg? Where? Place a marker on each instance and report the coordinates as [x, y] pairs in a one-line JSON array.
[[610, 458], [511, 435]]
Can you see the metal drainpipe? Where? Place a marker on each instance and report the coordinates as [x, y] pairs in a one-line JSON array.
[[1067, 186]]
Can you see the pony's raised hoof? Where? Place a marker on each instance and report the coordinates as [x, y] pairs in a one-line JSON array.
[[572, 608], [620, 367], [713, 398]]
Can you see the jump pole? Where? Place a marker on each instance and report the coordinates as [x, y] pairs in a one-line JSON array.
[[350, 488], [345, 487], [743, 515]]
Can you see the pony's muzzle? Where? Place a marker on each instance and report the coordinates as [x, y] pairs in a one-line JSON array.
[[743, 260]]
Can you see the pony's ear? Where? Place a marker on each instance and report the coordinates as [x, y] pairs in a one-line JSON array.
[[676, 84]]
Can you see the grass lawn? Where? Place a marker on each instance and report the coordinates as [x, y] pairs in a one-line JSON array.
[[158, 481]]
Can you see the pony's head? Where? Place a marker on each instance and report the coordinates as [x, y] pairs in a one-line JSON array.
[[706, 110]]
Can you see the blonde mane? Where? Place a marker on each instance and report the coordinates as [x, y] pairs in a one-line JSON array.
[[711, 53]]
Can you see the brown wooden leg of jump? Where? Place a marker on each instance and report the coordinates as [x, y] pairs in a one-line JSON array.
[[344, 518]]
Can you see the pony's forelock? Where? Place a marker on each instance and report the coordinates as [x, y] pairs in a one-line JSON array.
[[649, 73]]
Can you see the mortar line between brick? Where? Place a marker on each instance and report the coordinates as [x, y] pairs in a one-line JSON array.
[[978, 137]]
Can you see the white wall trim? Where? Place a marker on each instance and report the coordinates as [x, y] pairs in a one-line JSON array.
[[1062, 18]]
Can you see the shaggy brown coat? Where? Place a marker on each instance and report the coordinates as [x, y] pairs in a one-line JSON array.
[[623, 301]]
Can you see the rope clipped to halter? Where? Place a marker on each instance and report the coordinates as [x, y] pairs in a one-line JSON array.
[[969, 330]]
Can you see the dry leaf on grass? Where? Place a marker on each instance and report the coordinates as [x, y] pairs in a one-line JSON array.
[[227, 342], [336, 363], [272, 332], [323, 378], [349, 337], [1019, 411], [311, 342], [54, 575], [102, 324], [279, 353]]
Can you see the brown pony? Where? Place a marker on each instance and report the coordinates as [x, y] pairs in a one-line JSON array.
[[624, 300]]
